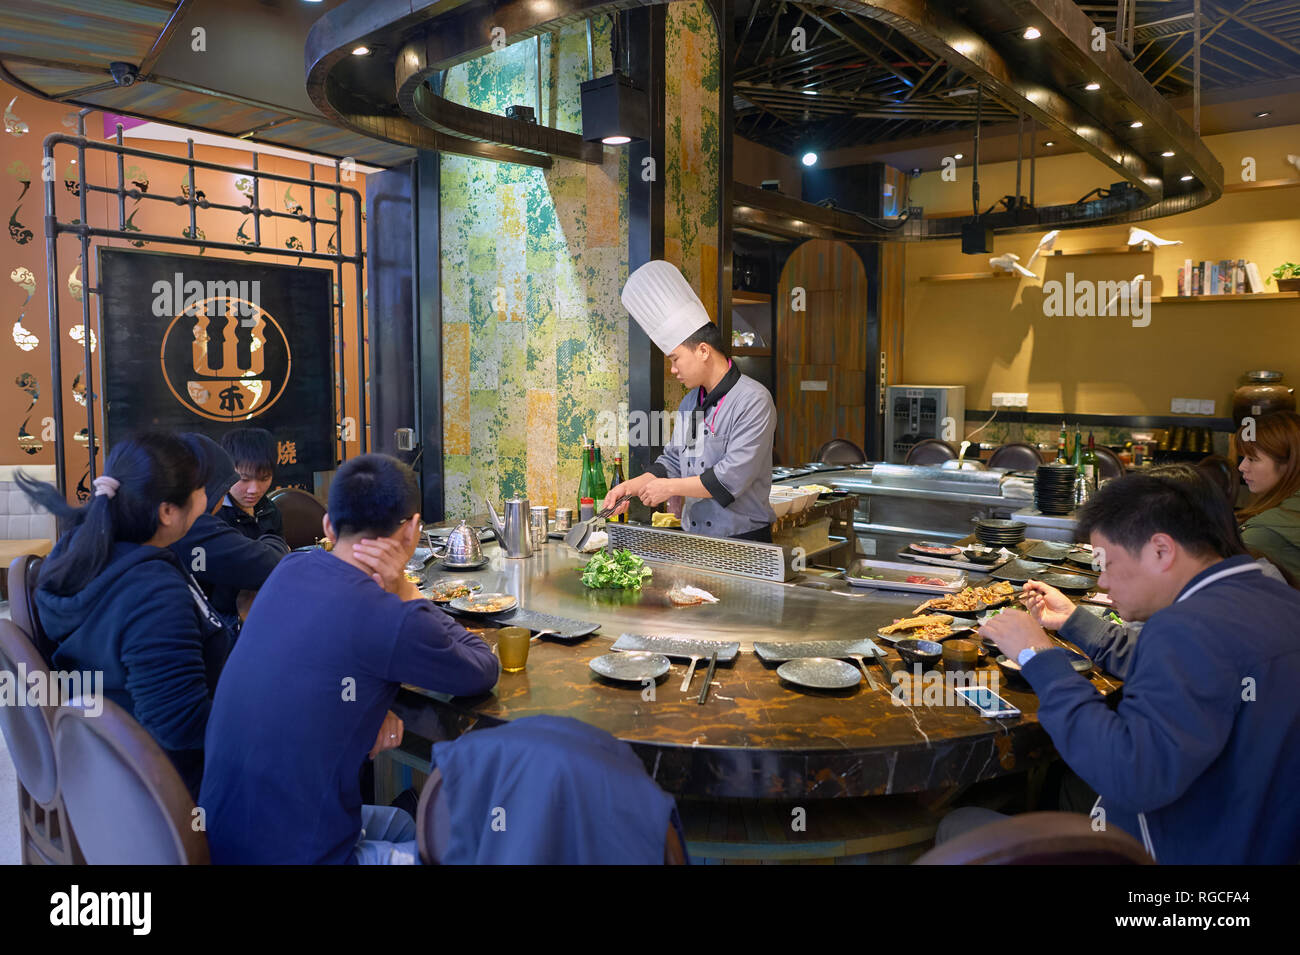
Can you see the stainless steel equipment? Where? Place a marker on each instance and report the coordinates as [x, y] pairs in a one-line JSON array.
[[747, 558], [462, 546], [916, 412], [513, 531], [539, 516]]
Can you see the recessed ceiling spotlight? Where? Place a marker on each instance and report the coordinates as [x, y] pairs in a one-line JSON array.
[[1262, 113], [809, 159], [809, 92], [1136, 124], [955, 156], [361, 51], [1093, 86], [1187, 178], [1050, 142], [1167, 153], [1032, 33], [616, 140]]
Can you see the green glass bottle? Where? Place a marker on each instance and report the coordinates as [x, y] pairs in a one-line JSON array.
[[585, 478], [615, 481], [1060, 447], [1078, 450], [598, 476], [1090, 464]]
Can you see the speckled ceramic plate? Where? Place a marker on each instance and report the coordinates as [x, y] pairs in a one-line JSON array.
[[820, 673], [631, 667], [484, 603], [439, 589], [1071, 583]]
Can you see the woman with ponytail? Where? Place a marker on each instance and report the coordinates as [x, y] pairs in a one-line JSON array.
[[115, 599]]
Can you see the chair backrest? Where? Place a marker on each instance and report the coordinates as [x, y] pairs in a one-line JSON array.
[[27, 728], [20, 519], [1108, 463], [1221, 473], [24, 572], [124, 798], [1040, 838], [930, 451], [841, 451], [1016, 456], [301, 515]]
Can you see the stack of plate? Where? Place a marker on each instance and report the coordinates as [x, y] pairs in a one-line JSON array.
[[1054, 488], [999, 533]]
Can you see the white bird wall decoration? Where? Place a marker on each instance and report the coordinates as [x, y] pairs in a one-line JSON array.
[[1134, 289], [1137, 236], [1294, 160], [1010, 262], [1045, 245]]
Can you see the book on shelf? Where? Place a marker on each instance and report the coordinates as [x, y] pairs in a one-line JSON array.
[[1224, 277]]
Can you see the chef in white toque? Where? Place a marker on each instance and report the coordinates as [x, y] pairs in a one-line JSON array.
[[719, 459]]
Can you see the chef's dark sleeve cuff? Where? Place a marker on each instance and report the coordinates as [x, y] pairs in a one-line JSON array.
[[715, 488], [658, 470]]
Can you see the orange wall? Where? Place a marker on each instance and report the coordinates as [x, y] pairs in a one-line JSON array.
[[24, 354]]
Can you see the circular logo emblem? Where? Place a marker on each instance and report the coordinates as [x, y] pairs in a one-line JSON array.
[[225, 359]]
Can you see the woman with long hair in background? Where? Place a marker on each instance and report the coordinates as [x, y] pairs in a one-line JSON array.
[[1270, 466], [115, 599]]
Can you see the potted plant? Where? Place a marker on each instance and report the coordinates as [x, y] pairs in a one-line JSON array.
[[1288, 277]]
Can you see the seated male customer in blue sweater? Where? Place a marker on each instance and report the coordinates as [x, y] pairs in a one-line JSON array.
[[306, 689], [1201, 759], [227, 565]]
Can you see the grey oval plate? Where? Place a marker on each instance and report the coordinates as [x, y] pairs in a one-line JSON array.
[[1075, 583], [466, 604], [631, 667], [446, 583], [820, 673], [1018, 571]]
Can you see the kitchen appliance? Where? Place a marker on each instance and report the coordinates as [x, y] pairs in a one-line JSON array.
[[916, 412]]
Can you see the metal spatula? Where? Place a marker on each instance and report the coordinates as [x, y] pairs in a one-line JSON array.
[[580, 531]]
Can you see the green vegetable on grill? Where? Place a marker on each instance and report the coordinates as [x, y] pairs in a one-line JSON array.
[[619, 569]]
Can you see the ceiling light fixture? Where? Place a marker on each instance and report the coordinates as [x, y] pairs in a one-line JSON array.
[[616, 140], [1032, 33], [1187, 178], [361, 51], [809, 159], [1092, 87], [1167, 153], [1136, 124], [958, 156], [1262, 113], [1050, 142], [615, 110]]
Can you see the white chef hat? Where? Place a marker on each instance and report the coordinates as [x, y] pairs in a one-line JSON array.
[[664, 304]]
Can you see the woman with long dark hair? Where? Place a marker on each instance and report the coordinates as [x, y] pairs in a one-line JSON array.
[[114, 598], [1270, 466]]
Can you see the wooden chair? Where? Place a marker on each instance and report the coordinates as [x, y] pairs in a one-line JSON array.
[[301, 515], [841, 451], [1016, 456], [122, 793], [24, 572], [930, 451], [433, 826], [47, 839], [1108, 463], [1040, 838]]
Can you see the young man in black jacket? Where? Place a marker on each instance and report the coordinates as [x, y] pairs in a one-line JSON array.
[[224, 561], [246, 506]]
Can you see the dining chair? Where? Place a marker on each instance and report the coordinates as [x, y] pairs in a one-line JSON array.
[[841, 451], [126, 801], [1039, 838], [46, 838], [23, 575], [301, 515], [1016, 456], [930, 451]]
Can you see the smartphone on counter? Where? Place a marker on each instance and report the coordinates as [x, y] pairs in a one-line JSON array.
[[986, 701]]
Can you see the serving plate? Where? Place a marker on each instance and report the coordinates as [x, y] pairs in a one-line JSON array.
[[934, 549], [820, 673], [891, 575], [1070, 583], [1019, 571], [1049, 551], [631, 667], [447, 583], [473, 603]]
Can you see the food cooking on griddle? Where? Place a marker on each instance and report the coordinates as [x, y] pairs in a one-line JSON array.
[[925, 627], [972, 598]]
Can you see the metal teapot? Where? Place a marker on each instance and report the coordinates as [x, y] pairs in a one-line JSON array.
[[513, 532]]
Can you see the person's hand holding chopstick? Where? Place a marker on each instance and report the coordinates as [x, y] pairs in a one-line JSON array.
[[1048, 606]]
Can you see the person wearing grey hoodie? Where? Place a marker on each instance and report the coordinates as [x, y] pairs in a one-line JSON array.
[[222, 560]]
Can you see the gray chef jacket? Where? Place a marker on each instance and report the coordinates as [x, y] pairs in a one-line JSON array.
[[725, 439]]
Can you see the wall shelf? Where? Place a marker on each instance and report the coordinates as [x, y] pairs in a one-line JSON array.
[[1224, 299], [745, 297], [1265, 184], [969, 276], [1106, 250]]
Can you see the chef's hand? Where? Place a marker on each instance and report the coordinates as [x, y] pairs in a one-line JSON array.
[[1048, 606], [390, 735], [628, 488], [1013, 631], [656, 491]]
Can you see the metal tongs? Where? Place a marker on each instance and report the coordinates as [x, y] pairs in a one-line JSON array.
[[578, 534]]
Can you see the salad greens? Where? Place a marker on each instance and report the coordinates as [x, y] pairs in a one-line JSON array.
[[622, 568]]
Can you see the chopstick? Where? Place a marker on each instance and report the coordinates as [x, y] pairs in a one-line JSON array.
[[708, 678]]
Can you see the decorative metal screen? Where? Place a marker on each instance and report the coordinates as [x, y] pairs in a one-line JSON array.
[[746, 558]]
